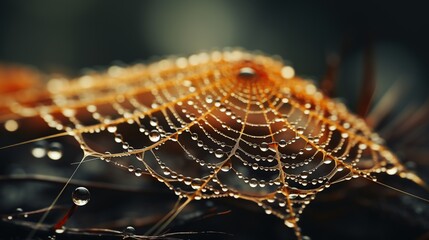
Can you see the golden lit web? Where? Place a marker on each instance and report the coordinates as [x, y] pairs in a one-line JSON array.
[[219, 124]]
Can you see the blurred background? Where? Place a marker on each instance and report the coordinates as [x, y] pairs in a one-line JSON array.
[[67, 37]]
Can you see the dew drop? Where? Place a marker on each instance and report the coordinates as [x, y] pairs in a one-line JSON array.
[[153, 121], [289, 223], [81, 196], [130, 168], [253, 182], [154, 136], [138, 172], [217, 103], [300, 130], [247, 73], [129, 231], [391, 169], [362, 146], [112, 128], [263, 146], [196, 184], [282, 143], [118, 138], [304, 175], [60, 230], [327, 161], [142, 129], [219, 153], [209, 99], [55, 151], [39, 149], [226, 167], [194, 136]]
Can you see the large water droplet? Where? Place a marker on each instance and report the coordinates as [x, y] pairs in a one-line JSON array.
[[81, 196], [55, 151], [253, 182], [263, 146], [226, 167], [154, 136], [219, 153]]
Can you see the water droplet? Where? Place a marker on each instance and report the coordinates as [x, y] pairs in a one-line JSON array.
[[219, 153], [55, 151], [282, 143], [391, 169], [253, 182], [118, 138], [196, 184], [81, 196], [39, 149], [192, 117], [138, 172], [263, 146], [300, 130], [226, 167], [327, 161], [217, 103], [60, 230], [142, 129], [194, 136], [154, 136], [209, 99], [289, 223], [362, 146], [247, 73], [112, 128], [130, 168], [153, 122], [222, 108], [304, 175], [129, 231]]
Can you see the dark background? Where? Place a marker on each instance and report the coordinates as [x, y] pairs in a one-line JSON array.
[[68, 36]]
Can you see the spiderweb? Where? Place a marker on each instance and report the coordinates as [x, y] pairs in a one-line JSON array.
[[219, 124]]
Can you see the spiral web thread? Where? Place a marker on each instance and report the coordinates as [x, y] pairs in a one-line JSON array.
[[219, 124]]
